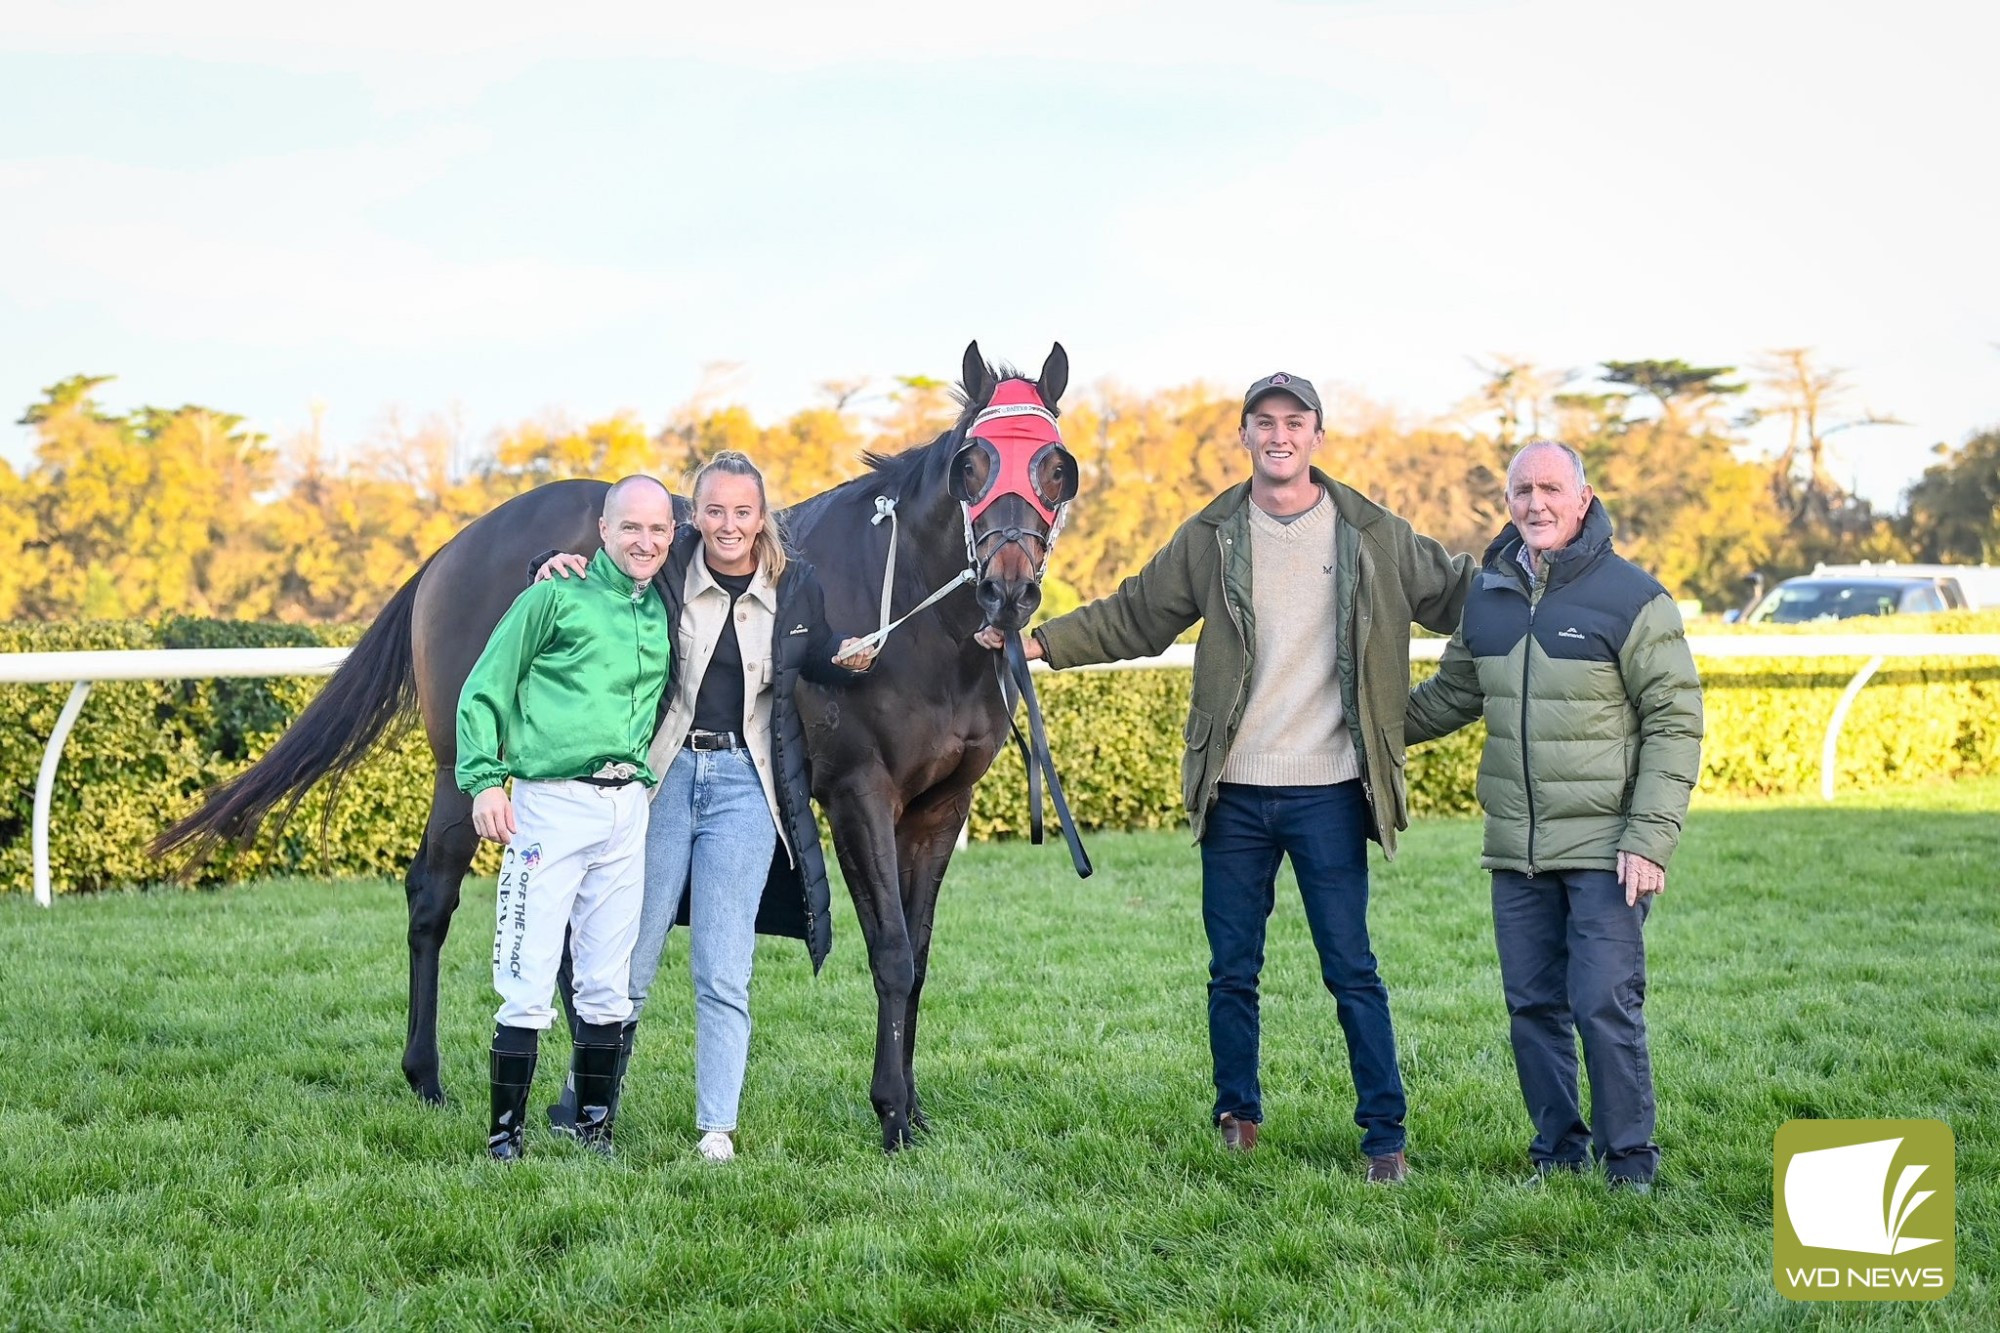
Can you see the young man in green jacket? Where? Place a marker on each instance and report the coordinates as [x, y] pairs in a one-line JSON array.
[[1577, 660], [563, 701], [1305, 591]]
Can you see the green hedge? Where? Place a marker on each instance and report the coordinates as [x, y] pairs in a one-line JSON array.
[[143, 751]]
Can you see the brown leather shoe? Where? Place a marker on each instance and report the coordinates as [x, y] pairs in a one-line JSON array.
[[1237, 1135], [1391, 1169]]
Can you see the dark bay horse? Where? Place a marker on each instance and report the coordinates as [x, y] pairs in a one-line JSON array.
[[895, 755]]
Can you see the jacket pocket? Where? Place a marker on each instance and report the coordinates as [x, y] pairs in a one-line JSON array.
[[1195, 731], [1394, 772], [1194, 760]]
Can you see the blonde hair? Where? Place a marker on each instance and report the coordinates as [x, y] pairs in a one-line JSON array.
[[770, 546]]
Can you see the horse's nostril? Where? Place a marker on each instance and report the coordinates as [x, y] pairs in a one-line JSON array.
[[989, 591]]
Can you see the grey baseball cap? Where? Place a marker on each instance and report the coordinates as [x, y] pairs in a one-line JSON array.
[[1296, 385]]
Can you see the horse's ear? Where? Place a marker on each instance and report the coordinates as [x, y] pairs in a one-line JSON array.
[[1055, 377], [976, 379]]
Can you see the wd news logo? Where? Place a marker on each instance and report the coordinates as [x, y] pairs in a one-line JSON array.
[[1863, 1210]]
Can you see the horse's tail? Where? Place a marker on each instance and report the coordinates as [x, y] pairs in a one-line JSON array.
[[372, 690]]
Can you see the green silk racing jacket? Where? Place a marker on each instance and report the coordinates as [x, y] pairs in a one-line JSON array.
[[569, 684]]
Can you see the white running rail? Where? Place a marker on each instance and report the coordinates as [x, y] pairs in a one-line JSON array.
[[83, 669]]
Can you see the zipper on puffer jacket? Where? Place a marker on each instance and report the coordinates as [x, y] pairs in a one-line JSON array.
[[1527, 776]]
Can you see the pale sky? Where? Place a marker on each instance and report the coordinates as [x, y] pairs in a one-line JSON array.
[[505, 209]]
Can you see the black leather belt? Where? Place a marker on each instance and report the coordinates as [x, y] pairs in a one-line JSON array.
[[609, 782], [712, 740]]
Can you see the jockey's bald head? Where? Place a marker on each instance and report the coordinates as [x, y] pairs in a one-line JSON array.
[[636, 484], [637, 525]]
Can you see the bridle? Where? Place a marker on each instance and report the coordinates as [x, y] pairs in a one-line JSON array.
[[1013, 448]]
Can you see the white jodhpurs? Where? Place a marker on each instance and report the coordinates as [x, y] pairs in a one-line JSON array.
[[576, 864]]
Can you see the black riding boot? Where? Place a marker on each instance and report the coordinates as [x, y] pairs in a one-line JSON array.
[[594, 1069], [513, 1073], [562, 1111]]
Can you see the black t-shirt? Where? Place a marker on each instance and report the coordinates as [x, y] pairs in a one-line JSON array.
[[718, 704]]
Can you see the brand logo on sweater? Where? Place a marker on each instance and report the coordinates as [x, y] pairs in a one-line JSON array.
[[796, 629], [1571, 633]]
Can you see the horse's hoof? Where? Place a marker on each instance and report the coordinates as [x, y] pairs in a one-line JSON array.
[[431, 1094], [920, 1122], [896, 1136]]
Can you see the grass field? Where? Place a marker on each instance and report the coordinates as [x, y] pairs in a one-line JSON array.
[[202, 1123]]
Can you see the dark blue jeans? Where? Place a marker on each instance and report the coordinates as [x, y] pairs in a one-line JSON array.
[[1325, 832], [1573, 964]]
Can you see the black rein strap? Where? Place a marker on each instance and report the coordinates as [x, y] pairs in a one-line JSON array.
[[1035, 756]]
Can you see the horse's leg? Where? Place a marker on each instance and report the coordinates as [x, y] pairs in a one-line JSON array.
[[431, 886], [864, 837], [925, 841]]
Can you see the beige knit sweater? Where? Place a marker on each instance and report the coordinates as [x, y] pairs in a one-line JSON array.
[[1294, 733]]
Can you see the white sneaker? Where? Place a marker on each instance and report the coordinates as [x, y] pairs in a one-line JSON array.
[[717, 1146]]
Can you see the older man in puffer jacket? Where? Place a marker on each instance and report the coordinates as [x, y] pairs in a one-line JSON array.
[[1577, 660]]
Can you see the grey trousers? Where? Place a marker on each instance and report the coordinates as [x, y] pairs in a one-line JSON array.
[[1573, 963]]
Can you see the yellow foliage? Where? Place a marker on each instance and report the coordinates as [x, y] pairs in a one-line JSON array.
[[183, 511]]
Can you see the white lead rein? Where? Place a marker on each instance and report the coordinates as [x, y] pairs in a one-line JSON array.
[[886, 508]]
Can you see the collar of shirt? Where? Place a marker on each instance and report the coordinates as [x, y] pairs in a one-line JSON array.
[[602, 565], [1538, 570], [701, 582]]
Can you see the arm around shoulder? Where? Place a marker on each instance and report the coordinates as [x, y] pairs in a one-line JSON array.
[[1435, 581]]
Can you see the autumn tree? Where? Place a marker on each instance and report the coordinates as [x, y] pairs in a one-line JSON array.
[[1811, 400], [131, 512], [1954, 511], [921, 408], [809, 452], [1688, 396], [20, 554], [1517, 395], [554, 450]]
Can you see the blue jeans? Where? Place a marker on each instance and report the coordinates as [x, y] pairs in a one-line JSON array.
[[1325, 832], [710, 830]]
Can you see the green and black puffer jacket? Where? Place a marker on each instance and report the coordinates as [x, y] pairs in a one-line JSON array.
[[1592, 705]]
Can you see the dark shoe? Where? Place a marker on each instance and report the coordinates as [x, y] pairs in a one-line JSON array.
[[512, 1073], [1543, 1170], [1388, 1169], [1628, 1185], [1237, 1135], [594, 1062], [562, 1111]]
